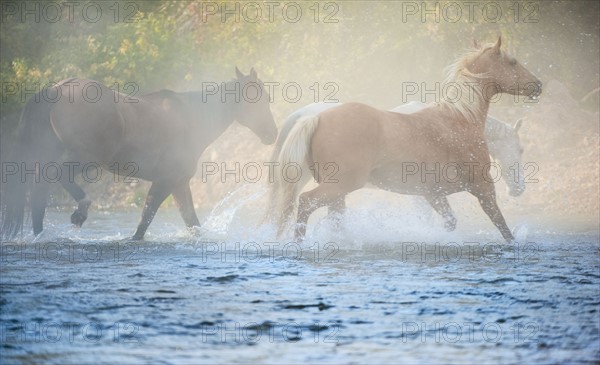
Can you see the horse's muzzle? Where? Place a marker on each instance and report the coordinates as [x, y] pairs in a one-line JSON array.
[[535, 94]]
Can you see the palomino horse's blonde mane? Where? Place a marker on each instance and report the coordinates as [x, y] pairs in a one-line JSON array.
[[465, 92]]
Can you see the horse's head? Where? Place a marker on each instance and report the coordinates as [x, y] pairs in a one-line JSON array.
[[253, 109], [507, 151], [502, 70]]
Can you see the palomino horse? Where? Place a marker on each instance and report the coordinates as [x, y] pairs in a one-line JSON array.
[[158, 137], [365, 145], [502, 139]]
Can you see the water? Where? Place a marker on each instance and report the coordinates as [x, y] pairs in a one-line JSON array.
[[369, 290]]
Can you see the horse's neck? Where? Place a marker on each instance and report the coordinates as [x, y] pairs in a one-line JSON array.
[[482, 111], [482, 117], [472, 105], [219, 118], [480, 120], [214, 117], [477, 121]]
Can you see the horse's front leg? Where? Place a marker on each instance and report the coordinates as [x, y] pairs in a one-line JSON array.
[[83, 204], [183, 197], [490, 207], [442, 207], [157, 194]]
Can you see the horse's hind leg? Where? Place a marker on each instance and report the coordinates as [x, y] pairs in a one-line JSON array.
[[442, 207], [183, 198], [83, 204], [490, 207], [156, 195], [39, 201], [324, 194]]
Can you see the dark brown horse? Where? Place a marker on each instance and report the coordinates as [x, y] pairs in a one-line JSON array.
[[353, 144], [158, 137]]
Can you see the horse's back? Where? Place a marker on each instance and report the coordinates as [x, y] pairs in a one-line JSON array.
[[290, 121], [100, 124], [350, 118], [348, 135], [364, 124], [105, 126], [410, 107], [85, 117]]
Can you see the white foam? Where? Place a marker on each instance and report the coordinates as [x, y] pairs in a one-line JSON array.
[[372, 217]]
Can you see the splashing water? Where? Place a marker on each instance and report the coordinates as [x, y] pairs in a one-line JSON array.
[[237, 216]]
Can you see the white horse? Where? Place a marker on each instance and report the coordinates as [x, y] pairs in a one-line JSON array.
[[502, 139]]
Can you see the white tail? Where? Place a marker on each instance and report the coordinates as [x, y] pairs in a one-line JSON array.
[[285, 189]]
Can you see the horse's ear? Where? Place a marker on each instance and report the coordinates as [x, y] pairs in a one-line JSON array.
[[253, 73], [476, 44], [518, 125], [238, 73], [498, 44]]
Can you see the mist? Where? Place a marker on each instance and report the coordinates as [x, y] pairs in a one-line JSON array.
[[385, 279], [383, 54]]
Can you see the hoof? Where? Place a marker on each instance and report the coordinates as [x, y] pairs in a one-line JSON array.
[[299, 237], [80, 215], [195, 231], [299, 233], [450, 226], [136, 238], [77, 218]]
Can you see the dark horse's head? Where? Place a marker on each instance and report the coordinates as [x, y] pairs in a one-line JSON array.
[[253, 109]]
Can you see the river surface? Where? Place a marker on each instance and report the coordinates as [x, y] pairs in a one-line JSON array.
[[369, 290]]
